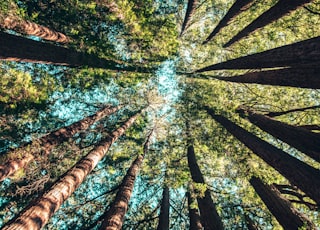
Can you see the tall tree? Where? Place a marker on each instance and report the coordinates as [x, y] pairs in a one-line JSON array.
[[303, 54], [194, 215], [164, 222], [276, 114], [46, 143], [280, 9], [249, 223], [237, 7], [288, 217], [37, 214], [192, 4], [297, 172]]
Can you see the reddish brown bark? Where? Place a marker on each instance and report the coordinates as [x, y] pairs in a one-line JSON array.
[[235, 10], [280, 9], [46, 143], [297, 172], [275, 114], [194, 215], [37, 214], [288, 217], [190, 11], [163, 223]]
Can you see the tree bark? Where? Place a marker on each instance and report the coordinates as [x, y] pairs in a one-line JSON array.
[[304, 54], [280, 9], [310, 127], [46, 143], [249, 223], [37, 214], [235, 10], [297, 172], [164, 210], [194, 215], [294, 77], [302, 139], [276, 114], [20, 49], [288, 217], [190, 10]]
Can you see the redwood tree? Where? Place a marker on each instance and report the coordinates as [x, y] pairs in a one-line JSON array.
[[163, 223], [275, 114], [192, 4], [194, 215]]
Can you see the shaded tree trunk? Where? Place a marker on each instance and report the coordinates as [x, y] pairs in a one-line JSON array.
[[310, 127], [275, 114], [302, 139], [297, 172], [288, 217], [37, 214], [46, 143], [192, 4], [20, 49], [280, 9], [249, 223], [235, 10], [302, 78], [304, 54], [33, 29], [194, 215], [164, 210]]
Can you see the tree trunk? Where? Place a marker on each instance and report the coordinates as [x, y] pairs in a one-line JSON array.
[[164, 210], [276, 114], [190, 11], [302, 139], [194, 215], [235, 10], [249, 223], [208, 213], [37, 214], [310, 127], [297, 172], [114, 217], [288, 217], [46, 143], [302, 78], [280, 9], [304, 54], [20, 49], [33, 29]]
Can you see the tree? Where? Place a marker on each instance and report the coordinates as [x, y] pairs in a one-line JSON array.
[[194, 215], [163, 223], [280, 9], [37, 214], [237, 7], [46, 143], [287, 216], [276, 114], [297, 172], [249, 223], [302, 139], [192, 4]]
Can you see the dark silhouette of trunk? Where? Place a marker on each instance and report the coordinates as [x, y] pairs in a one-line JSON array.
[[310, 127], [46, 143], [33, 29], [302, 78], [164, 210], [297, 172], [304, 54], [280, 9], [302, 139], [20, 49], [288, 217], [37, 214], [190, 10], [235, 10], [249, 223], [276, 114], [194, 215]]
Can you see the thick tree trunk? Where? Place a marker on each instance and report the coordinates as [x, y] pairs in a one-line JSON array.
[[297, 172], [33, 29], [276, 114], [235, 10], [164, 210], [208, 213], [280, 9], [302, 78], [192, 4], [46, 143], [37, 214], [20, 49], [302, 139], [114, 217], [288, 217], [304, 54], [194, 215]]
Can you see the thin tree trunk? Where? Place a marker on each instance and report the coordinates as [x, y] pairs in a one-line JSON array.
[[190, 11], [304, 54], [164, 210], [302, 139], [46, 143], [33, 29], [297, 172], [249, 223], [37, 214], [302, 78], [288, 217], [194, 215], [16, 48], [280, 9], [235, 10], [276, 114], [310, 127]]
